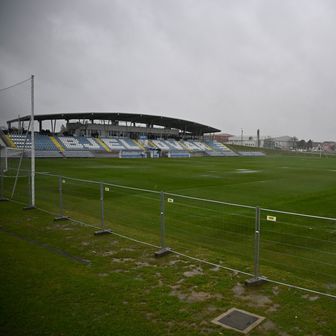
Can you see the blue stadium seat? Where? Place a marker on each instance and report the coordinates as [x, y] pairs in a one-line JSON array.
[[42, 142], [219, 149], [118, 144], [79, 143]]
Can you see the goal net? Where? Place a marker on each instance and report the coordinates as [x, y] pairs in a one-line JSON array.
[[16, 138]]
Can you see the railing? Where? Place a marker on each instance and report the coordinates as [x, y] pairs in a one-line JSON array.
[[287, 248]]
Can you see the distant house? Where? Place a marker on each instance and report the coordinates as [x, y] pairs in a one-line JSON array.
[[246, 140], [285, 142], [282, 142], [222, 137], [329, 146]]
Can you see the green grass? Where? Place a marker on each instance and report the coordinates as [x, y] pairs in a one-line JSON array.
[[297, 250], [289, 183]]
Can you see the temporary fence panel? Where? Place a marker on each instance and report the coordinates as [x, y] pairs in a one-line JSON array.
[[212, 230], [47, 194], [132, 212], [80, 200], [299, 249]]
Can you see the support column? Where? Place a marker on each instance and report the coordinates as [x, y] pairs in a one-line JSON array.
[[60, 194], [164, 249], [103, 230], [257, 279]]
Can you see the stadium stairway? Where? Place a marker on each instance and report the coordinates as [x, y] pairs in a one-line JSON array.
[[102, 143], [139, 144], [8, 141], [184, 146], [219, 149], [57, 144]]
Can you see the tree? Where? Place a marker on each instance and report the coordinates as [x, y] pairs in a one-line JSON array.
[[309, 144], [301, 144]]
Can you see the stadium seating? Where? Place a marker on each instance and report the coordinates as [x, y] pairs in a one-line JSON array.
[[19, 140], [118, 144], [218, 149], [195, 146], [42, 142], [68, 146], [168, 145], [79, 144]]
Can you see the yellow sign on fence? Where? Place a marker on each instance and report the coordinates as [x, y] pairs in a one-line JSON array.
[[271, 218]]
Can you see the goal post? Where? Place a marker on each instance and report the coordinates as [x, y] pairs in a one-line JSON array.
[[32, 121], [18, 156]]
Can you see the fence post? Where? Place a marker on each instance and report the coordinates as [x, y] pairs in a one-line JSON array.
[[60, 194], [102, 205], [257, 244], [163, 248], [102, 219], [257, 279], [162, 220]]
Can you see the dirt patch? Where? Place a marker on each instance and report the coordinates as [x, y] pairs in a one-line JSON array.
[[258, 300], [127, 249], [140, 264], [193, 272], [120, 271], [122, 260], [198, 296], [239, 289], [254, 299], [173, 262], [212, 309], [108, 253], [193, 295], [331, 286], [215, 269], [275, 290], [273, 308], [269, 326], [311, 298]]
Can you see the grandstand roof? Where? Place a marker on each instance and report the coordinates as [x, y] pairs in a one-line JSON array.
[[184, 125]]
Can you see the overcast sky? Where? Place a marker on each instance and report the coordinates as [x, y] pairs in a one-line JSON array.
[[230, 64]]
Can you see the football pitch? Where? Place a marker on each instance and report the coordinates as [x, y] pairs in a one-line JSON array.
[[209, 208]]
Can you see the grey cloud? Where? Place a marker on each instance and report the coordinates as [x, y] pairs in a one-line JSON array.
[[232, 64]]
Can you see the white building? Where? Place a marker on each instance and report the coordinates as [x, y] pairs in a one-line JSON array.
[[282, 142], [246, 140]]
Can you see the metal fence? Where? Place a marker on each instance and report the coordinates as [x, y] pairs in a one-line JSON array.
[[292, 249]]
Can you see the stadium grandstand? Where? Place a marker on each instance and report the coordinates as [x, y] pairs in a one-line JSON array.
[[112, 134]]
